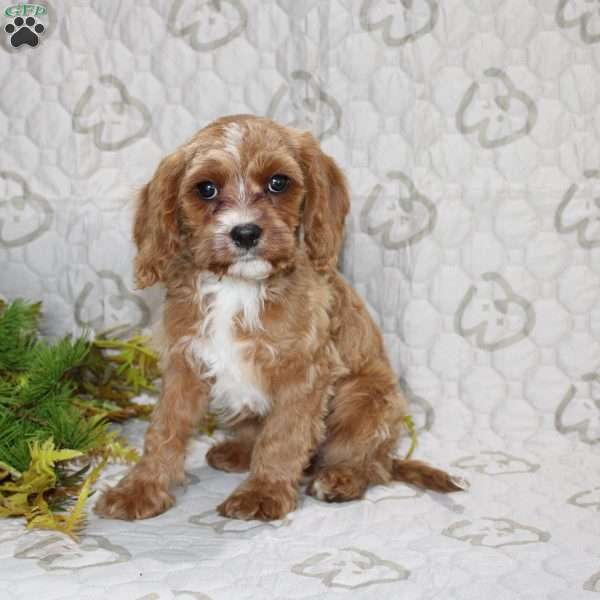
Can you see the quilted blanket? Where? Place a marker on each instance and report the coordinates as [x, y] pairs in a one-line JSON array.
[[469, 131]]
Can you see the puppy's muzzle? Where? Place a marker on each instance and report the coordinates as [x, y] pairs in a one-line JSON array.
[[246, 236]]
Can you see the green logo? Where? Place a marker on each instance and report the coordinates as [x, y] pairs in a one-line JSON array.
[[25, 10]]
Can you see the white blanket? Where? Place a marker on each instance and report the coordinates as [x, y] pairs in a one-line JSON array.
[[469, 130]]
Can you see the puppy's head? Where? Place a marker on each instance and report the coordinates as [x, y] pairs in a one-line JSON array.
[[243, 197]]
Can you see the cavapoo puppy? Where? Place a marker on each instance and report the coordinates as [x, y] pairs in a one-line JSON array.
[[243, 225]]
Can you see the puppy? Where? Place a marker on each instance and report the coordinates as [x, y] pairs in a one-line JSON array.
[[243, 225]]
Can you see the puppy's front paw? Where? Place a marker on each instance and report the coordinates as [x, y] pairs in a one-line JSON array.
[[134, 500], [264, 501]]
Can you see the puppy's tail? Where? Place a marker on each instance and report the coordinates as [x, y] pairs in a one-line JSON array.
[[424, 476]]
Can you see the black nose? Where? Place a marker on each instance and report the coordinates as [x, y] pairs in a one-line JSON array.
[[246, 236]]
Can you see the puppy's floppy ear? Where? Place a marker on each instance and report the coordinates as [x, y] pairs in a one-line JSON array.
[[155, 229], [326, 204]]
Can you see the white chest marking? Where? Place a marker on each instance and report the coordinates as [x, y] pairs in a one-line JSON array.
[[215, 346]]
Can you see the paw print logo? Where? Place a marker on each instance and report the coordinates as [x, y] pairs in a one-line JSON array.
[[493, 315], [581, 14], [586, 499], [59, 553], [579, 410], [495, 533], [207, 24], [212, 520], [496, 111], [106, 302], [496, 463], [350, 568], [579, 211], [113, 117], [24, 216], [24, 31], [400, 21], [402, 218], [303, 103]]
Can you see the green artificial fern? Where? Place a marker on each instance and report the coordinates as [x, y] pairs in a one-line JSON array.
[[56, 403], [18, 330]]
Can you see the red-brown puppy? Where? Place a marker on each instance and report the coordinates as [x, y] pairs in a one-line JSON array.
[[243, 225]]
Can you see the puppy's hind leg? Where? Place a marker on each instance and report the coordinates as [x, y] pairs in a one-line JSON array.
[[363, 428], [363, 424]]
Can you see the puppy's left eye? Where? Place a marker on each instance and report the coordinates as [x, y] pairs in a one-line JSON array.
[[278, 184]]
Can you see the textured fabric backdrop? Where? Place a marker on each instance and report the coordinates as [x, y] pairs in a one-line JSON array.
[[469, 132]]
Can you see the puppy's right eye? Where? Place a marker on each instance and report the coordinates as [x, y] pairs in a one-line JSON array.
[[207, 190]]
